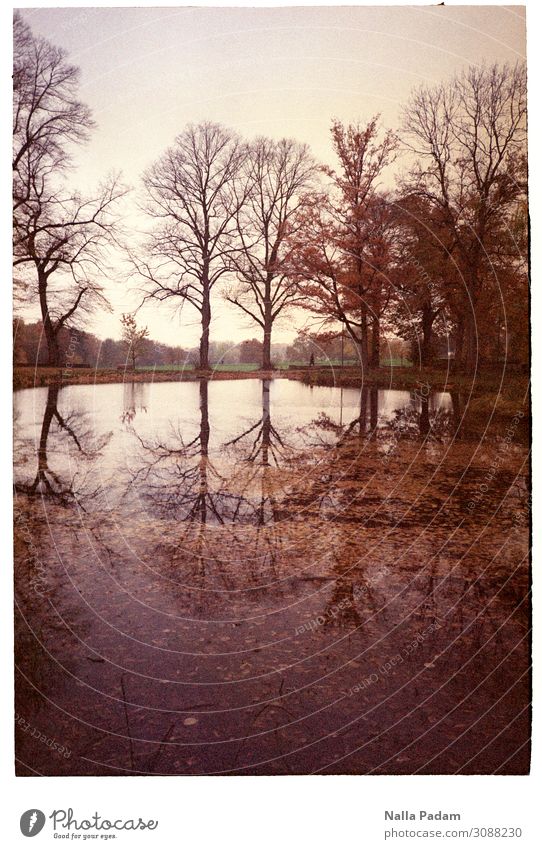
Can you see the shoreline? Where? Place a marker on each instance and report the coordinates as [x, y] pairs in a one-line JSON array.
[[509, 383], [30, 377]]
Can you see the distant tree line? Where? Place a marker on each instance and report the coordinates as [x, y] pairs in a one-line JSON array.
[[80, 347], [437, 259]]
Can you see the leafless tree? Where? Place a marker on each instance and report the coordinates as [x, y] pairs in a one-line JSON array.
[[276, 177], [193, 199], [60, 248], [469, 137], [48, 118], [59, 237]]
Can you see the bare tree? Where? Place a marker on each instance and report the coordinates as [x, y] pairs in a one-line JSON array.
[[48, 118], [60, 249], [59, 237], [469, 137], [193, 200], [276, 178]]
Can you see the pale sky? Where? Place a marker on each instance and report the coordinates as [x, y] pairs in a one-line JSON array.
[[147, 72]]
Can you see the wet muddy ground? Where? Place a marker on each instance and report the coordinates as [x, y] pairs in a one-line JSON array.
[[343, 590]]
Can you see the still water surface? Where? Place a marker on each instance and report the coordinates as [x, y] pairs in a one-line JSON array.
[[125, 442]]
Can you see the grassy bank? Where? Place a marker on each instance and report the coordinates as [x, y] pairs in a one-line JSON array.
[[504, 389], [27, 377]]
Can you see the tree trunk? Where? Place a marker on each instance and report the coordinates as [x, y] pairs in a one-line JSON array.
[[375, 342], [205, 326], [471, 342], [470, 312], [363, 346], [362, 354], [266, 350], [497, 345], [459, 342], [359, 341], [53, 349], [427, 333], [424, 417], [267, 329]]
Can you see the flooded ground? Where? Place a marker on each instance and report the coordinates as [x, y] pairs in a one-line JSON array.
[[263, 577]]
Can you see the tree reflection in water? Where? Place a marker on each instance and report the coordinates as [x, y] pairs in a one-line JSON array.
[[60, 484], [258, 451], [72, 434], [179, 481], [237, 491], [425, 420], [133, 401]]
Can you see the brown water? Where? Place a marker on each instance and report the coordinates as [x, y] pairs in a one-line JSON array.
[[265, 577]]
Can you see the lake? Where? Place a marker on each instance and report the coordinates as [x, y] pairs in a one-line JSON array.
[[122, 445], [262, 577]]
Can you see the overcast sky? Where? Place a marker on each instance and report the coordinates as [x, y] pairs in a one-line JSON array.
[[147, 72]]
